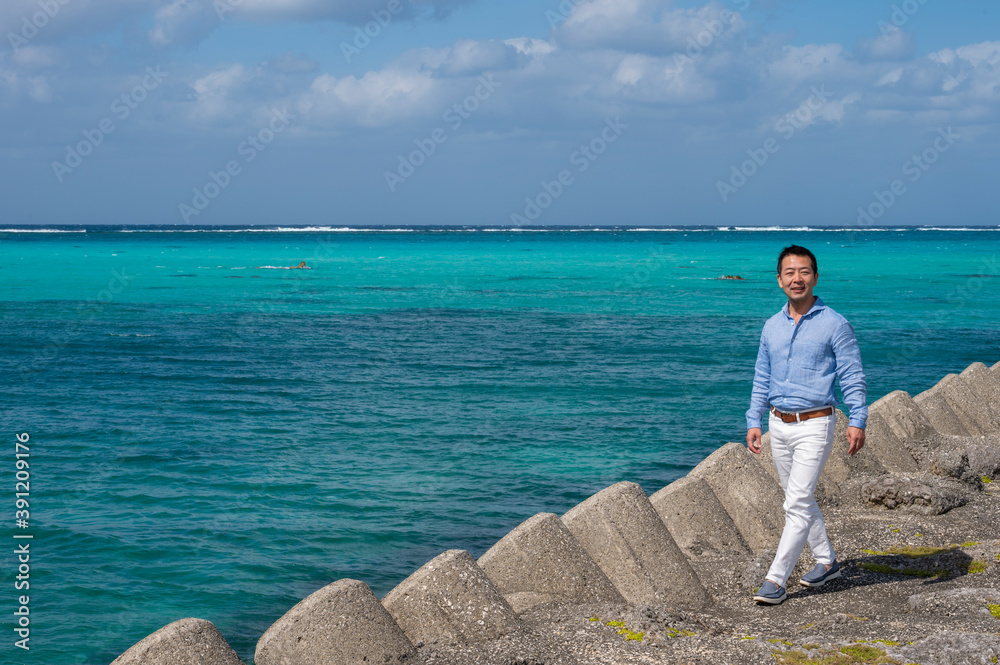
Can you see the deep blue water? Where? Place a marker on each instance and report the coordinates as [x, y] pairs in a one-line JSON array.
[[214, 439]]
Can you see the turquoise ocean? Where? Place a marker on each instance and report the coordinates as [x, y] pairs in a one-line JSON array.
[[215, 438]]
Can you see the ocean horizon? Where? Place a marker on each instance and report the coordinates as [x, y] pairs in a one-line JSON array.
[[216, 434]]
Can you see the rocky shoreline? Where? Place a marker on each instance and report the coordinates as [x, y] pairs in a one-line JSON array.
[[623, 579]]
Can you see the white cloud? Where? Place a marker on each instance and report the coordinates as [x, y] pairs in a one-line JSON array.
[[469, 57], [36, 57], [219, 93], [376, 99], [184, 21], [645, 26], [794, 64], [892, 45], [39, 90], [532, 47]]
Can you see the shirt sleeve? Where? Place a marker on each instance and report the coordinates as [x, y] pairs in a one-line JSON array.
[[761, 386], [851, 374]]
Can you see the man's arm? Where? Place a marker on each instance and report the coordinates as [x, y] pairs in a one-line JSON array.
[[852, 384], [758, 397]]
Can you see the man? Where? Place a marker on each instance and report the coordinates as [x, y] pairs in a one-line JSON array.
[[803, 348]]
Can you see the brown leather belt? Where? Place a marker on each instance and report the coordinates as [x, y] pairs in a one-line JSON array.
[[799, 417]]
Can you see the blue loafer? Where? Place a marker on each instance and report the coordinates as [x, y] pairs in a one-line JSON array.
[[819, 575], [770, 593]]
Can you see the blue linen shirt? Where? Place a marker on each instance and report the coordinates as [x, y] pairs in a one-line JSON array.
[[797, 365]]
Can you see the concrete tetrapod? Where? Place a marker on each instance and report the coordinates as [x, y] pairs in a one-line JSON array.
[[986, 386], [184, 642], [621, 531], [974, 414], [882, 440], [751, 497], [342, 623], [450, 600], [909, 423], [939, 412], [904, 417], [840, 465], [698, 521], [541, 561]]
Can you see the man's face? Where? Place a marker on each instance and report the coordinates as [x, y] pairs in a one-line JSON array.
[[797, 278]]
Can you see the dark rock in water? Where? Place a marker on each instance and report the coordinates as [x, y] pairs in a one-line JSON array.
[[924, 494], [184, 642]]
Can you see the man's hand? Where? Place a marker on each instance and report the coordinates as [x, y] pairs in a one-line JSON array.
[[753, 439], [855, 437]]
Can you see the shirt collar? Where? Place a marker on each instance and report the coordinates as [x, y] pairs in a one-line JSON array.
[[817, 306]]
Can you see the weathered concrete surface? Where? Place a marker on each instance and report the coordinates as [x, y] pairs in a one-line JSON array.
[[908, 423], [956, 602], [939, 412], [975, 415], [621, 531], [752, 498], [986, 386], [984, 456], [922, 493], [882, 441], [954, 463], [342, 623], [697, 520], [541, 561], [184, 642], [450, 600]]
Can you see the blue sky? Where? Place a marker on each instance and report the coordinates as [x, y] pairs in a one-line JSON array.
[[593, 112]]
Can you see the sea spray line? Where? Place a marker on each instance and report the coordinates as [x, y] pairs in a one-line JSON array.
[[249, 148], [122, 107], [455, 115], [581, 158]]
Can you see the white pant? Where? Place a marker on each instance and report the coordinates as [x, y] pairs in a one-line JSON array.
[[800, 450]]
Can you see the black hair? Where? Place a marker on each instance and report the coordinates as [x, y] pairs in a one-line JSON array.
[[796, 250]]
